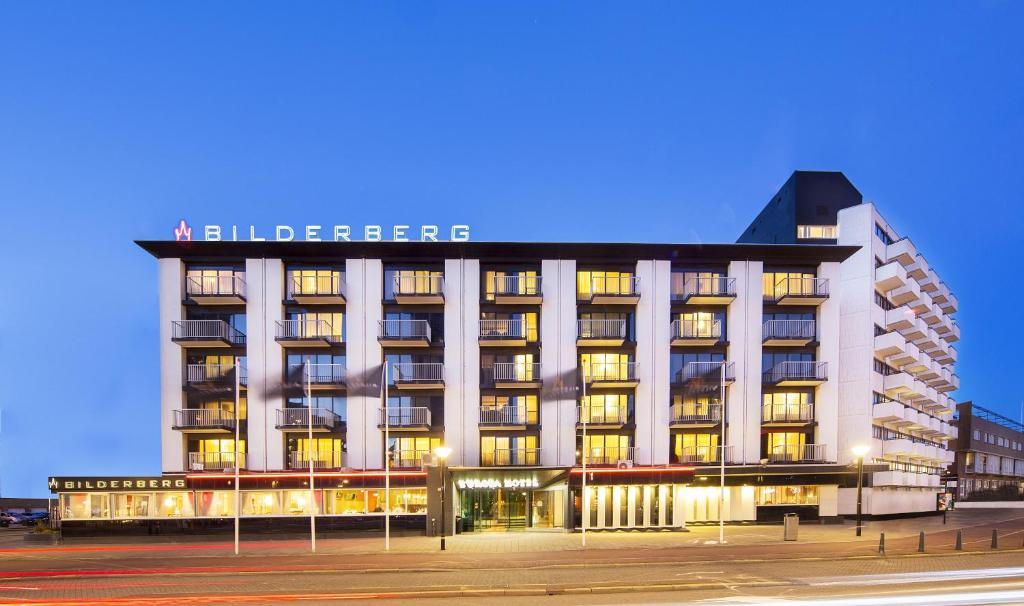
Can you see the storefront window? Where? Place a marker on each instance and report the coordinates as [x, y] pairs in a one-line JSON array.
[[346, 502], [219, 504], [787, 495], [131, 506], [174, 505], [259, 503], [296, 502], [85, 506]]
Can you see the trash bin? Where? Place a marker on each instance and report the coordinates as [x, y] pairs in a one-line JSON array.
[[790, 524]]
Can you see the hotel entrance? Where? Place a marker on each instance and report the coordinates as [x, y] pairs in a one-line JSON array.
[[499, 502]]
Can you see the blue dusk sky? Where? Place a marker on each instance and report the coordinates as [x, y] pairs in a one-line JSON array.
[[639, 122]]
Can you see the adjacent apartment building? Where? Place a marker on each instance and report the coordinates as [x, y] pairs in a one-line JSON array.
[[651, 364], [989, 455]]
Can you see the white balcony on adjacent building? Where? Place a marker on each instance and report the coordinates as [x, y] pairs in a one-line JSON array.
[[600, 332], [321, 420], [404, 333], [420, 288], [306, 332], [206, 333], [890, 276], [315, 287], [902, 251], [503, 417], [692, 332], [415, 418], [797, 374], [418, 375], [218, 288], [321, 460], [612, 290], [806, 453], [798, 291], [517, 289], [890, 344], [514, 375], [695, 415], [215, 461], [202, 420], [612, 374], [502, 333], [599, 416], [794, 333], [709, 290]]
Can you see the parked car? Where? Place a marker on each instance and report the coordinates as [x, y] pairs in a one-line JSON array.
[[8, 518]]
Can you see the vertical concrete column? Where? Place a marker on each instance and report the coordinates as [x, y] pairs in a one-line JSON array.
[[743, 398], [653, 350], [558, 363], [273, 362], [264, 360], [462, 360], [826, 400], [171, 280], [364, 291]]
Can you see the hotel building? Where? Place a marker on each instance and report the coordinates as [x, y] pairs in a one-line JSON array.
[[651, 364], [989, 455]]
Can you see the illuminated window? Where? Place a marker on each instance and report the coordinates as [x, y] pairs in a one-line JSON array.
[[783, 406], [409, 451], [589, 283], [786, 446], [817, 232], [261, 503], [696, 447], [695, 405], [605, 408], [607, 366], [527, 403], [413, 282], [319, 323], [314, 282], [700, 324], [696, 283], [510, 283], [213, 281], [326, 453], [513, 325], [781, 283], [508, 450], [607, 449], [786, 495]]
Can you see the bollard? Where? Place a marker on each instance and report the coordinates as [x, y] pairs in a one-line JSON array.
[[959, 540], [920, 542], [995, 539], [881, 544]]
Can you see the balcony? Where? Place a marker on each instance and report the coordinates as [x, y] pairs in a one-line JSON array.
[[918, 365], [300, 419], [890, 276], [891, 412], [897, 447], [921, 305], [409, 459], [600, 333], [807, 453], [601, 417], [503, 417], [902, 251], [797, 374], [510, 457], [931, 374], [683, 415], [929, 341], [900, 318], [933, 317], [951, 305], [502, 333], [620, 290], [897, 384], [516, 375], [226, 289], [301, 459], [907, 293], [622, 456], [318, 377], [798, 291], [917, 330], [418, 375], [694, 333], [909, 355], [520, 289], [781, 333], [918, 270], [205, 333], [930, 284], [214, 461], [307, 333], [717, 290], [210, 376], [706, 373], [419, 289], [792, 415], [404, 333], [705, 455], [414, 418], [621, 374], [326, 289], [201, 420], [889, 344]]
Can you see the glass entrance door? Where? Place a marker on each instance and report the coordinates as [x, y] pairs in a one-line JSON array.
[[498, 509]]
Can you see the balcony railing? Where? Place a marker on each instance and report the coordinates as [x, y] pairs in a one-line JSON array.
[[201, 418], [418, 372], [502, 329], [614, 372], [405, 416], [519, 285], [787, 413], [712, 372], [224, 285], [611, 456], [694, 329], [408, 459], [214, 461], [516, 372], [504, 415], [318, 374], [711, 287], [797, 371], [418, 285], [796, 330], [197, 374], [299, 418], [602, 415], [331, 459], [404, 330], [698, 455], [307, 330], [806, 287], [614, 285], [510, 457], [688, 413], [331, 285], [601, 329], [206, 330], [806, 453]]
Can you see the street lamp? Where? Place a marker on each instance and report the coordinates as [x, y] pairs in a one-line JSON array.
[[859, 451], [442, 452]]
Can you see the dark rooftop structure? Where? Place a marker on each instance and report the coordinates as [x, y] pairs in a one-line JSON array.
[[808, 198]]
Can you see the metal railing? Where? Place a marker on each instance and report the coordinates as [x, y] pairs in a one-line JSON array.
[[685, 328], [318, 374], [611, 456], [185, 330], [312, 286], [806, 286], [601, 329], [502, 329], [405, 416], [788, 329], [509, 457], [690, 413], [307, 329], [333, 459], [298, 418], [797, 370], [798, 453], [223, 285], [614, 285], [205, 461], [504, 415], [432, 284], [787, 413], [410, 330], [516, 372], [517, 285], [713, 286], [209, 373], [602, 415], [704, 454], [408, 459], [418, 372], [613, 371], [198, 418], [706, 371]]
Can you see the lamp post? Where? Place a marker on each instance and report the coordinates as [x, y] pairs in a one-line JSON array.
[[442, 453], [859, 451]]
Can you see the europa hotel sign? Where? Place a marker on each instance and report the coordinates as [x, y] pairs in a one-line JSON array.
[[325, 233]]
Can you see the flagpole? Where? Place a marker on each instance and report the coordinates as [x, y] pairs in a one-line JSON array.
[[387, 457], [238, 435], [309, 455], [721, 457]]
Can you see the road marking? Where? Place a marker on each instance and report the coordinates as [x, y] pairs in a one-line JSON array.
[[917, 577]]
